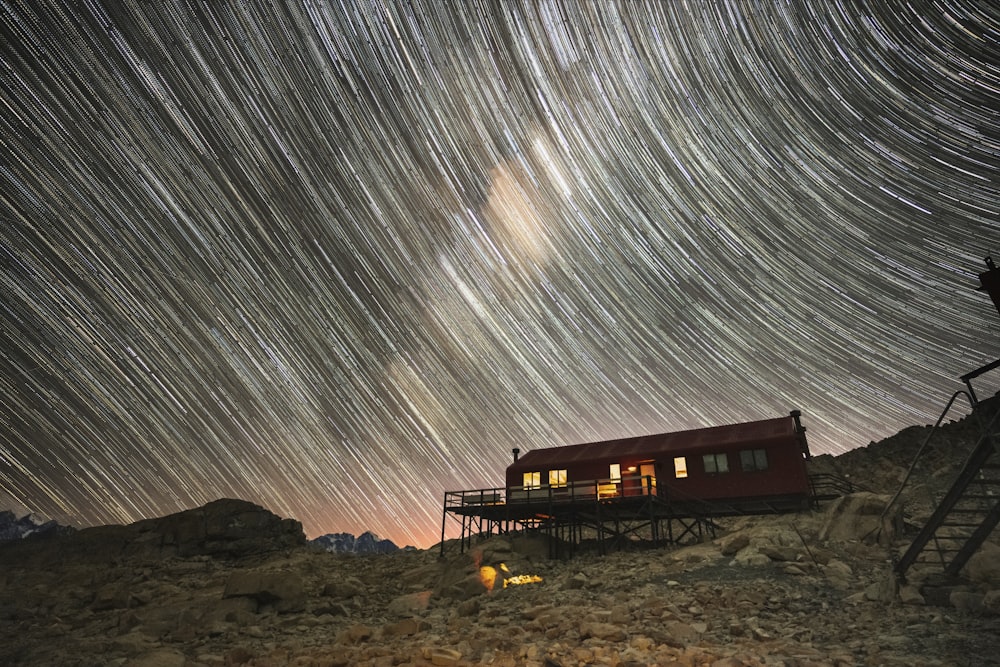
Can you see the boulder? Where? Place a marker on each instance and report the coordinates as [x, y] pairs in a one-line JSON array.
[[991, 603], [604, 631], [405, 627], [732, 544], [410, 604], [984, 566], [344, 588], [858, 518], [282, 591]]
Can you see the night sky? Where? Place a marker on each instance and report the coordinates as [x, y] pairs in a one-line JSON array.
[[338, 258]]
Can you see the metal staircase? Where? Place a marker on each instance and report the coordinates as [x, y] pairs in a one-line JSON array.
[[965, 516], [970, 510]]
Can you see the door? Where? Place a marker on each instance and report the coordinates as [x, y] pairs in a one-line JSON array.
[[647, 471]]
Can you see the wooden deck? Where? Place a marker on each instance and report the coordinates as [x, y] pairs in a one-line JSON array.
[[618, 511]]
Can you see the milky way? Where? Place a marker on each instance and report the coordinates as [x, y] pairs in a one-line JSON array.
[[337, 258]]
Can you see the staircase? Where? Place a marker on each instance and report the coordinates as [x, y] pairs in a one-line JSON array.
[[966, 515]]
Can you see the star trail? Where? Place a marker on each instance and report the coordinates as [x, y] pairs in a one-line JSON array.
[[339, 257]]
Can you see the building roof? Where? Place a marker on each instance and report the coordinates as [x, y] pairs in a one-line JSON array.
[[659, 445]]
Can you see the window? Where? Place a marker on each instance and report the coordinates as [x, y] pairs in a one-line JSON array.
[[716, 463], [532, 480], [753, 459], [680, 467], [557, 478], [616, 472]]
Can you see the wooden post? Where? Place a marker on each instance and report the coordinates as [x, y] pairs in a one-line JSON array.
[[444, 519]]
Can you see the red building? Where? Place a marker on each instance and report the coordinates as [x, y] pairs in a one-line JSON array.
[[750, 461], [661, 488]]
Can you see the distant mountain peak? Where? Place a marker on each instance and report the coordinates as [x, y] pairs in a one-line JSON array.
[[365, 543], [14, 528]]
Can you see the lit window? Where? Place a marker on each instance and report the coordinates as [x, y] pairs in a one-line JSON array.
[[532, 480], [715, 463], [557, 478], [616, 472], [753, 459], [680, 467]]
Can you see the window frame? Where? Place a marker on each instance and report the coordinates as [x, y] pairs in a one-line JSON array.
[[715, 459], [758, 460], [680, 467]]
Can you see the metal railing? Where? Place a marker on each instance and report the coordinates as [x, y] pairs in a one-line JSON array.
[[596, 489]]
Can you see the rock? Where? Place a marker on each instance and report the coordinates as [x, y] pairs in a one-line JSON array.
[[158, 658], [468, 608], [111, 596], [910, 594], [444, 656], [405, 627], [410, 604], [984, 566], [345, 588], [967, 601], [991, 602], [779, 553], [355, 634], [751, 558], [731, 545], [282, 591], [605, 631], [681, 632], [332, 609], [237, 656], [855, 518]]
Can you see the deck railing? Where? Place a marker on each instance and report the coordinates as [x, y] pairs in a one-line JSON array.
[[597, 489]]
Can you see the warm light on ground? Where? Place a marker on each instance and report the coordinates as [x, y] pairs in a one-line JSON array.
[[488, 575], [521, 579]]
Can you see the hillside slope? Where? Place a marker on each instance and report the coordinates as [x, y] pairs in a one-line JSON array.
[[232, 584]]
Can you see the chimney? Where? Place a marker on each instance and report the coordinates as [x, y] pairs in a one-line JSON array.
[[517, 452], [991, 282]]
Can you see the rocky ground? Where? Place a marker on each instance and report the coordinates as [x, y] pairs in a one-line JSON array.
[[231, 584]]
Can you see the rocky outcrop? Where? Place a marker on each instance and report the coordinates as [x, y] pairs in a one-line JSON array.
[[222, 529], [225, 528]]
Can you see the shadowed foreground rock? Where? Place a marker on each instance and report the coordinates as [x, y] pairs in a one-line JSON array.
[[767, 591], [221, 529]]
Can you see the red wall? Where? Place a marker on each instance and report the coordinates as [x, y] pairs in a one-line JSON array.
[[786, 473]]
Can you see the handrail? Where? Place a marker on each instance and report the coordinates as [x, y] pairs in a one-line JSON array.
[[820, 481], [916, 457], [972, 375], [979, 454], [600, 489]]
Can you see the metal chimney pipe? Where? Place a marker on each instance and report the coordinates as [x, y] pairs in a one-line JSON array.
[[517, 452], [991, 282]]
